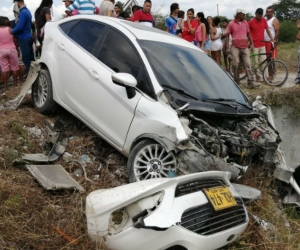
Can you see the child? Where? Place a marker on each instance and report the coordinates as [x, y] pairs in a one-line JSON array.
[[180, 22]]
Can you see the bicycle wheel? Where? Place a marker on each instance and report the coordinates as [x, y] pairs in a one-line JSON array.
[[275, 73], [242, 71]]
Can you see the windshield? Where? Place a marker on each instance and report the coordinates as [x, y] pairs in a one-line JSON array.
[[191, 71]]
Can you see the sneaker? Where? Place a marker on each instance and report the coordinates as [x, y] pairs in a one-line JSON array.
[[297, 80], [253, 85]]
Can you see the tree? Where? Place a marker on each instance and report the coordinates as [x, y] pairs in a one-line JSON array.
[[288, 31], [287, 10]]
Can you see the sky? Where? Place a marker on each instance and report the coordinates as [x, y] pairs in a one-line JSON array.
[[208, 7]]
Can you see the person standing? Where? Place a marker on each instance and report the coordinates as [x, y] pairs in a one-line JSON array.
[[273, 25], [67, 4], [240, 33], [171, 21], [144, 15], [216, 43], [22, 32], [84, 7], [106, 8], [258, 25], [8, 53], [133, 10], [117, 9], [202, 33], [190, 27], [42, 15], [223, 38]]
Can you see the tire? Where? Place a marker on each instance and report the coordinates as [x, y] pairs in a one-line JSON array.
[[242, 71], [42, 93], [149, 160], [280, 73]]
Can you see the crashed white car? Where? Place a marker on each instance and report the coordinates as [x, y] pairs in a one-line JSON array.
[[196, 211], [156, 98]]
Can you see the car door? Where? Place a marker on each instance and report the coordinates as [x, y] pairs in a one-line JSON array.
[[87, 88]]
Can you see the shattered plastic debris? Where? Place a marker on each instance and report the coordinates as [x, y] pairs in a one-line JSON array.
[[78, 172], [32, 75], [36, 132], [265, 225], [85, 159]]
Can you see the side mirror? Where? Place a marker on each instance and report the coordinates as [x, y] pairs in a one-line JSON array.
[[125, 80]]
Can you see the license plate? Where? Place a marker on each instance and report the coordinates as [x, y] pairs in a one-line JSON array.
[[220, 197]]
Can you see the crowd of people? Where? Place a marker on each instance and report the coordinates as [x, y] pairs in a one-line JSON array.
[[19, 38]]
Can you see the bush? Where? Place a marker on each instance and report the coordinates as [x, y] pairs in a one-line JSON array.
[[288, 31]]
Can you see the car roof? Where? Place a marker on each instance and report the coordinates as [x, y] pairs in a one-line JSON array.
[[141, 32]]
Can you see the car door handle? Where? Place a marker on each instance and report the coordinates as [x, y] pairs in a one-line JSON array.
[[94, 74], [61, 46]]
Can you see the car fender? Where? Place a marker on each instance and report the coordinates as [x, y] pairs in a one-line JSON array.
[[157, 120]]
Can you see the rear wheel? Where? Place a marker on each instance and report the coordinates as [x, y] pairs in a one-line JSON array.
[[275, 73], [242, 71], [149, 160], [42, 93]]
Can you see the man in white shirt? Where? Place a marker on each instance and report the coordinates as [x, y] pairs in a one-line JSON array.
[[273, 25]]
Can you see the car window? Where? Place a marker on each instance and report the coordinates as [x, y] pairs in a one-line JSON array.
[[190, 70], [88, 34], [144, 84], [67, 26], [119, 54]]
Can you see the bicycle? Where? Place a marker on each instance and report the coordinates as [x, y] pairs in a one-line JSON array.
[[275, 72]]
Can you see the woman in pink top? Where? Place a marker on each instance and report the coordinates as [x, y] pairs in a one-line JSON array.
[[201, 36], [8, 53]]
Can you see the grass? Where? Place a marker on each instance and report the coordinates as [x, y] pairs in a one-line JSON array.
[[288, 53]]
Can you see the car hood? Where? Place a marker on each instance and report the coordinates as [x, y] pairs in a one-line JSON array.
[[218, 108]]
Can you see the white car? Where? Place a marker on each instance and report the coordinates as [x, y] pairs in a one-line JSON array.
[[196, 211], [156, 98]]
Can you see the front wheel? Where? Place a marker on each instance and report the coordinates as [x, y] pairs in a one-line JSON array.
[[275, 73], [42, 93], [149, 160]]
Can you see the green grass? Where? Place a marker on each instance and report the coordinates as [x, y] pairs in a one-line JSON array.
[[288, 53]]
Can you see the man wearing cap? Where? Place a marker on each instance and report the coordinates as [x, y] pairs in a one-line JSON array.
[[240, 33], [258, 25], [84, 7], [22, 32]]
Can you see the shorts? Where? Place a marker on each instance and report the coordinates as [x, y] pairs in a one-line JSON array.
[[207, 45], [9, 60], [268, 46]]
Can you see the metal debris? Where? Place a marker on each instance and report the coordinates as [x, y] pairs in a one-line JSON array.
[[53, 177], [56, 138], [32, 75]]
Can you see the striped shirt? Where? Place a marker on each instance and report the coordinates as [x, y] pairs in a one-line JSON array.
[[84, 7]]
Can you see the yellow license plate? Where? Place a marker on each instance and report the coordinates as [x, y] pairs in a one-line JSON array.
[[220, 197]]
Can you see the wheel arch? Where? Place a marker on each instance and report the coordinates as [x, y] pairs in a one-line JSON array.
[[166, 143]]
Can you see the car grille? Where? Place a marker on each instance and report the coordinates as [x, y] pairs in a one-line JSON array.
[[205, 220], [199, 185], [232, 110]]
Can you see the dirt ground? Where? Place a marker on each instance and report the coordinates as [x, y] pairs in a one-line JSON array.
[[28, 214]]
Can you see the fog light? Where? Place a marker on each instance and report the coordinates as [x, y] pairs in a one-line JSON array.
[[230, 237]]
